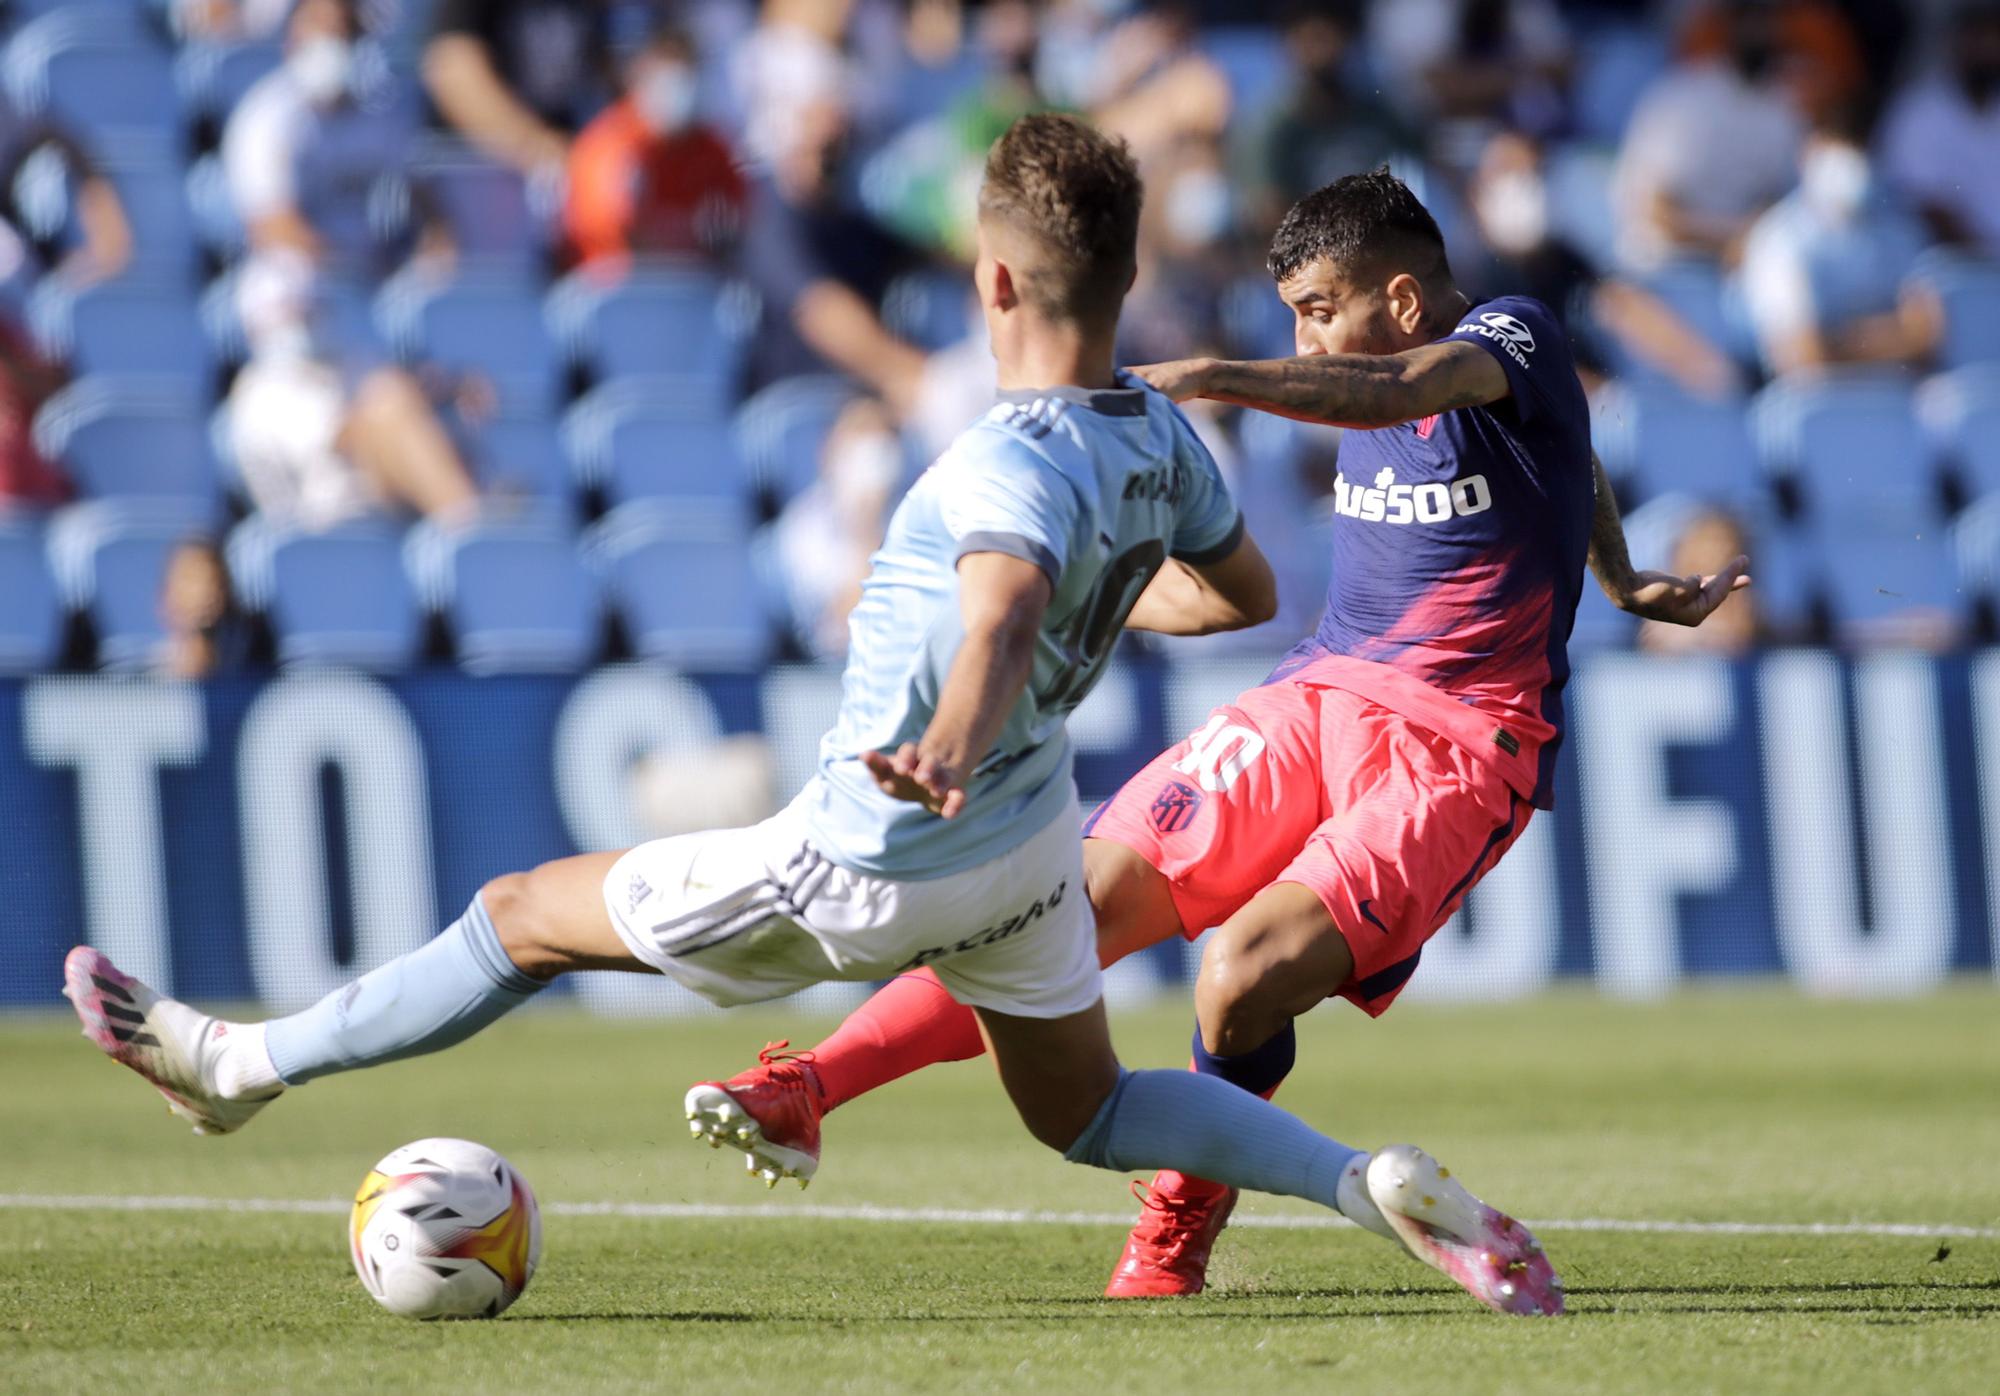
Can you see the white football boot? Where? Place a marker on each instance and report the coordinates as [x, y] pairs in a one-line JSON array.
[[165, 1041], [1493, 1257]]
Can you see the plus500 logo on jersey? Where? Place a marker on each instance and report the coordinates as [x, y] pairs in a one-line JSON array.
[[1391, 503]]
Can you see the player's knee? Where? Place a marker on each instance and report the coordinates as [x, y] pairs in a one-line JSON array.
[[514, 907], [1238, 1002]]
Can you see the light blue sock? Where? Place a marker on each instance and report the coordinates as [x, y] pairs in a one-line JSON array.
[[426, 1000], [1204, 1126]]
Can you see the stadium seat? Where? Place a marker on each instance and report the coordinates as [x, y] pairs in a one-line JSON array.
[[128, 327], [91, 69], [1617, 64], [163, 227], [638, 443], [781, 429], [213, 77], [1257, 323], [342, 598], [655, 321], [1970, 291], [1879, 567], [932, 310], [516, 595], [1252, 59], [1697, 293], [1975, 545], [1961, 415], [681, 578], [521, 457], [1849, 441], [1661, 440], [31, 622], [132, 447], [486, 325], [495, 223], [109, 558]]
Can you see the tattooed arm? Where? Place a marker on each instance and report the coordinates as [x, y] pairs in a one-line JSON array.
[[1347, 390], [1651, 595]]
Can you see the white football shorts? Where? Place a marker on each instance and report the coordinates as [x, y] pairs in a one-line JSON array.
[[743, 915]]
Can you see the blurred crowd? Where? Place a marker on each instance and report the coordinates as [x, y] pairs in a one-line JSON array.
[[1721, 198]]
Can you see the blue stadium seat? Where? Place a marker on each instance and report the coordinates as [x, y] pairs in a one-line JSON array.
[[1662, 440], [89, 68], [127, 327], [342, 597], [1848, 440], [494, 222], [1961, 414], [932, 310], [781, 429], [656, 321], [1697, 293], [523, 457], [1976, 549], [133, 447], [1252, 58], [1879, 566], [490, 326], [1970, 291], [213, 77], [516, 595], [163, 228], [109, 558], [682, 579], [654, 443], [31, 622]]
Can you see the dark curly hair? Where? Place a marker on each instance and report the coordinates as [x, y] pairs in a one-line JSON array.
[[1363, 224]]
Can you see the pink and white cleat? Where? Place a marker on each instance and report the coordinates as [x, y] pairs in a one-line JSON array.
[[171, 1045], [1493, 1257]]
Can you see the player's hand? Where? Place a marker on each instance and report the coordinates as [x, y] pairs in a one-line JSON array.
[[1180, 380], [1675, 600], [907, 774]]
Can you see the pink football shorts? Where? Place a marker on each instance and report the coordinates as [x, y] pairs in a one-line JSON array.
[[1386, 821]]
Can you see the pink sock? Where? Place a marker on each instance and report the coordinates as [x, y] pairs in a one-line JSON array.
[[911, 1022]]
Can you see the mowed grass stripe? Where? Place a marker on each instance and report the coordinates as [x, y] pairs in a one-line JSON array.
[[705, 1211]]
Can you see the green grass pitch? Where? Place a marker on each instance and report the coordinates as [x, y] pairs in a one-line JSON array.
[[1746, 1107]]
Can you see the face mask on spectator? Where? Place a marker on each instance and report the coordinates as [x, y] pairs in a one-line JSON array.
[[665, 97], [1200, 207], [1513, 210], [1834, 180], [321, 68], [1753, 57]]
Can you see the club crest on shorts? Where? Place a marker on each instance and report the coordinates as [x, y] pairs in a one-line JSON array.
[[1174, 807]]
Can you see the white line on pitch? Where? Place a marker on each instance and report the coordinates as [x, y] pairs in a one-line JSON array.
[[707, 1211]]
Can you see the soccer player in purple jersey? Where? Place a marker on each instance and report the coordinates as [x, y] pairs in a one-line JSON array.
[[1328, 822]]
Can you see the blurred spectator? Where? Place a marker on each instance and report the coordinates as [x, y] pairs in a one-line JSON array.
[[645, 177], [821, 267], [1602, 314], [1941, 148], [1827, 272], [206, 634], [1815, 51], [789, 67], [1187, 258], [518, 77], [45, 174], [318, 443], [247, 21], [924, 184], [1473, 61], [1713, 143], [1325, 126], [1709, 542], [27, 380], [316, 152], [1143, 77], [825, 536]]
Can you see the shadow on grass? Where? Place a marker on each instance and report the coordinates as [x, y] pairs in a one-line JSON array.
[[635, 1316]]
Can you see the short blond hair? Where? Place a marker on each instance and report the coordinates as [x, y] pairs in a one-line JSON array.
[[1075, 192]]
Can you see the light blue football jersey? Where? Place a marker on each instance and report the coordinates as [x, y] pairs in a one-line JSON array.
[[1097, 488]]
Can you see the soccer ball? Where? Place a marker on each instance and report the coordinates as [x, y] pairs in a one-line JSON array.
[[445, 1228]]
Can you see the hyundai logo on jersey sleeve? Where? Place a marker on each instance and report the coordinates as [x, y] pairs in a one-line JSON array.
[[1510, 334]]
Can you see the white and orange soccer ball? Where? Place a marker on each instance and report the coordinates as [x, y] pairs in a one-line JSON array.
[[445, 1228]]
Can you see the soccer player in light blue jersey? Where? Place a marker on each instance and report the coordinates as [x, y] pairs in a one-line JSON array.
[[941, 829]]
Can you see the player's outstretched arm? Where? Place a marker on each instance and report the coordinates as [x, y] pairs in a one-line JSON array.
[[1001, 601], [1186, 598], [1343, 390], [1658, 596]]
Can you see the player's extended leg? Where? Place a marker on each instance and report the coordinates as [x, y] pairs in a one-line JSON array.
[[520, 932], [912, 1023], [1065, 1081]]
